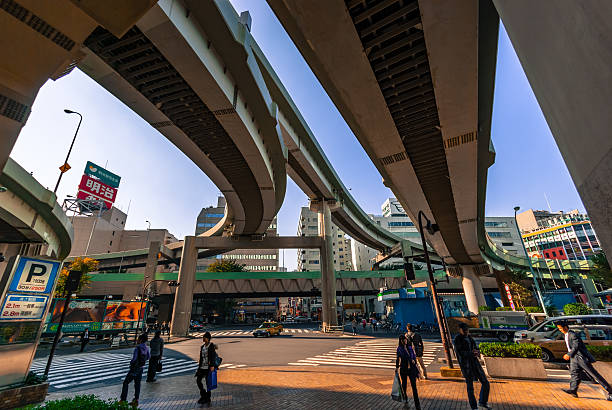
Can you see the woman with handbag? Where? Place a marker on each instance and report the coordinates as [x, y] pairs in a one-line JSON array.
[[206, 365], [157, 348], [405, 362]]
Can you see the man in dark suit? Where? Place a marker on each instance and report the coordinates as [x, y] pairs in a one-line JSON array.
[[467, 355], [581, 360]]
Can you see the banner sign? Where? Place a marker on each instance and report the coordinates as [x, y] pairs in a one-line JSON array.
[[102, 174], [96, 315], [34, 275], [389, 295], [95, 189], [17, 307]]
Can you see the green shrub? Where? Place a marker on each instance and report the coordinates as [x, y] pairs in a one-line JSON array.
[[32, 379], [533, 309], [603, 353], [572, 309], [485, 308], [503, 308], [89, 402], [522, 350]]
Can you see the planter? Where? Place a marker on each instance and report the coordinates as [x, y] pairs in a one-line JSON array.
[[604, 368], [515, 368], [22, 396]]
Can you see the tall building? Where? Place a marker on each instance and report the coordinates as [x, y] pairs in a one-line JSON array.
[[105, 233], [558, 235], [503, 232], [309, 259], [254, 260]]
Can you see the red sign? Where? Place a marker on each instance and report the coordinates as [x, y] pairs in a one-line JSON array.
[[91, 188], [510, 297]]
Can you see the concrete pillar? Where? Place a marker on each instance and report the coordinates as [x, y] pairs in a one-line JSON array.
[[564, 48], [472, 287], [181, 314], [328, 279]]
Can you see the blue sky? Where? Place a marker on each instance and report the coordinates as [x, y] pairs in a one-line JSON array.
[[163, 186]]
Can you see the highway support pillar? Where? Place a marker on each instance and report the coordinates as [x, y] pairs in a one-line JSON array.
[[181, 314], [472, 287], [329, 311]]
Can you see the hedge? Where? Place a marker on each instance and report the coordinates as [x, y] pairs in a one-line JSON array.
[[89, 402], [574, 309], [521, 350], [603, 353]]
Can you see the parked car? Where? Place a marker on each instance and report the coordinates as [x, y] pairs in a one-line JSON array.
[[554, 347], [289, 319], [302, 319], [543, 329], [267, 329], [195, 326]]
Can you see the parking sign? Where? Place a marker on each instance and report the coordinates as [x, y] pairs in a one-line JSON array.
[[34, 275]]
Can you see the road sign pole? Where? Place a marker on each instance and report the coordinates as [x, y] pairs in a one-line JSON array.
[[72, 282]]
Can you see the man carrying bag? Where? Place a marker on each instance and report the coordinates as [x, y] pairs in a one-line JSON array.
[[207, 365]]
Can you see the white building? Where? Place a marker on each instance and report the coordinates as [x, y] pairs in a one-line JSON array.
[[309, 259]]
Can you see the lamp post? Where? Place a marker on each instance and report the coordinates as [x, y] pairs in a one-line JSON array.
[[432, 229], [67, 111], [535, 278]]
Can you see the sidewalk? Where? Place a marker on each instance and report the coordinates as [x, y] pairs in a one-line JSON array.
[[340, 388]]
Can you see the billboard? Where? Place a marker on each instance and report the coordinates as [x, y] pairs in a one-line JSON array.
[[96, 315], [106, 177], [90, 188]]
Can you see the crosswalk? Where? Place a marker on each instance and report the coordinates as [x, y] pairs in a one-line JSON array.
[[87, 368], [377, 353], [250, 332]]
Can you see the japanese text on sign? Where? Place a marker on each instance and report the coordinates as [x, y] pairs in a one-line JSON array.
[[23, 307], [97, 188]]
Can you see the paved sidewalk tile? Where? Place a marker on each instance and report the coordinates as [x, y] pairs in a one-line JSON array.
[[337, 388]]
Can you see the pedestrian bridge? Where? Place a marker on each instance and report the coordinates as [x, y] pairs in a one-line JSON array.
[[255, 284]]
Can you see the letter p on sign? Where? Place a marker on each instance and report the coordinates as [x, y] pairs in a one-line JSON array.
[[35, 276]]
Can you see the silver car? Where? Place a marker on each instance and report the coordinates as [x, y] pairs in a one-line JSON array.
[[542, 330]]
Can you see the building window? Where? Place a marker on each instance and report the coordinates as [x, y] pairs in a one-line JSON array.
[[213, 215], [507, 243], [395, 223], [314, 262], [497, 224], [499, 234]]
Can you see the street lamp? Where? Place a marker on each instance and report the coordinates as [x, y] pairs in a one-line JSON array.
[[432, 229], [535, 278], [67, 111]]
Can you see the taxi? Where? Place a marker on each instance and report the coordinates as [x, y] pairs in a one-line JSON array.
[[267, 329]]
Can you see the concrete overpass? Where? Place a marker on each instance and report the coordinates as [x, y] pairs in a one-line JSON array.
[[397, 71]]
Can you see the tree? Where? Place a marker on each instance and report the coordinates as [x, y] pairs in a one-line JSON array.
[[84, 265], [601, 269], [520, 294], [226, 265], [574, 309]]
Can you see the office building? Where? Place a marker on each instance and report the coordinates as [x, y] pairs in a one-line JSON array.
[[503, 232], [309, 259], [254, 260], [558, 235]]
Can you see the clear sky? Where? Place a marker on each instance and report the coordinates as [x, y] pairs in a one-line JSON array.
[[162, 185]]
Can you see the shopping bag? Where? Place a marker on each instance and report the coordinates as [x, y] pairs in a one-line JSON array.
[[159, 366], [211, 380], [397, 393]]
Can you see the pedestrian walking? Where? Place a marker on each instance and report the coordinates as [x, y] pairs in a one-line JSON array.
[[405, 362], [84, 339], [467, 354], [374, 324], [139, 358], [208, 358], [581, 361], [416, 341], [354, 326], [363, 323], [165, 328], [157, 349]]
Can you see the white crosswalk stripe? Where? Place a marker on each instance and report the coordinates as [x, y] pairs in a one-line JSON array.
[[249, 332], [379, 353], [80, 369]]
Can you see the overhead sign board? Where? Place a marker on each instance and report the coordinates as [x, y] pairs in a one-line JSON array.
[[90, 197], [17, 307], [102, 174], [98, 190], [34, 275]]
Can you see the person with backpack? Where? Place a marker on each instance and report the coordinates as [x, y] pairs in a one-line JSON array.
[[416, 341], [157, 348], [208, 362], [139, 358]]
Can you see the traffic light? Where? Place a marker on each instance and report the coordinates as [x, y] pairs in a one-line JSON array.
[[409, 271]]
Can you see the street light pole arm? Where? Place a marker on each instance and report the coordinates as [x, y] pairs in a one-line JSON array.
[[70, 149]]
